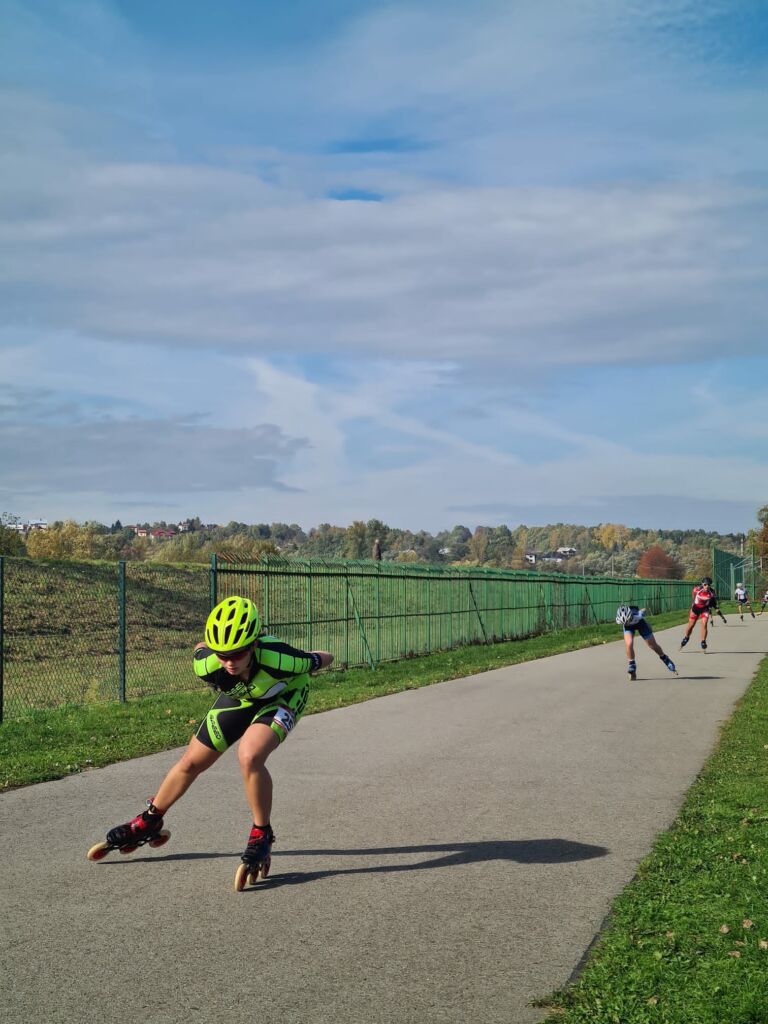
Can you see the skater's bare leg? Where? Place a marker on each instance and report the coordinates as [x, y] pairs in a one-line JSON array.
[[629, 643], [651, 641], [257, 744], [193, 762]]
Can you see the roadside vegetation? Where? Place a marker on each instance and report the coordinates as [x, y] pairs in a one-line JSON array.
[[687, 940]]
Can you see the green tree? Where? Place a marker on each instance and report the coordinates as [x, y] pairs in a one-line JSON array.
[[11, 542]]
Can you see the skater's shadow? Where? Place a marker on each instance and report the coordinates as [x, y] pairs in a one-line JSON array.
[[698, 678], [521, 851]]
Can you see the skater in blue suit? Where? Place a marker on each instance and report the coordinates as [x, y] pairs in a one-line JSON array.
[[632, 620]]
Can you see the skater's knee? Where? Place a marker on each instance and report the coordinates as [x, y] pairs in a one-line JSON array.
[[191, 764], [252, 760]]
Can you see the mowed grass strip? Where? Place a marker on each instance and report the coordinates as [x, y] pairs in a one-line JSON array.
[[45, 745], [687, 940]]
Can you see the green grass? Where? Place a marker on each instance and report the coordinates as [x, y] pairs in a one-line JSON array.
[[44, 745], [687, 940]]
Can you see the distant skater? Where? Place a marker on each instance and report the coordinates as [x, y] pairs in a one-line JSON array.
[[741, 595], [703, 604], [632, 620]]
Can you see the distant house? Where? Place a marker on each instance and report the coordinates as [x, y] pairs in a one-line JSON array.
[[33, 524], [141, 531], [566, 552], [531, 556], [161, 534]]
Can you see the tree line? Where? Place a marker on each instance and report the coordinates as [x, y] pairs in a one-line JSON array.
[[605, 549]]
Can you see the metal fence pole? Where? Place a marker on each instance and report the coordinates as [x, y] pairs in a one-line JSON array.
[[214, 581], [121, 629]]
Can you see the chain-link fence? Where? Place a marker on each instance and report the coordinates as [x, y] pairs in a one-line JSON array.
[[729, 570], [77, 633], [83, 632]]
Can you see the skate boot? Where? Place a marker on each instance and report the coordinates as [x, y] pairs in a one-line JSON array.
[[669, 663], [632, 670], [683, 642], [256, 858], [147, 827], [752, 614], [703, 645]]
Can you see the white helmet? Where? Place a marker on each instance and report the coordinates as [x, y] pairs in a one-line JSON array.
[[739, 585], [624, 615]]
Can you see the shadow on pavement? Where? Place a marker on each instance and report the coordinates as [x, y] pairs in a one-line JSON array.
[[522, 851]]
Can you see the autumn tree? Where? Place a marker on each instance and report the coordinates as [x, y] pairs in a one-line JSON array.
[[478, 545], [356, 541], [656, 564], [761, 540]]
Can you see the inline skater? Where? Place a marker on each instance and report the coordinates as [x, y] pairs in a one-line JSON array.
[[763, 603], [704, 602], [741, 594], [262, 685], [632, 620]]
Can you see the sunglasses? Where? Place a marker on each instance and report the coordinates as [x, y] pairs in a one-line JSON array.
[[233, 655]]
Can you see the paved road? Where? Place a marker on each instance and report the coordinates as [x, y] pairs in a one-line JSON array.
[[443, 854]]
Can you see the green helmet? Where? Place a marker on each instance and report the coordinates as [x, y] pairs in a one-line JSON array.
[[233, 623]]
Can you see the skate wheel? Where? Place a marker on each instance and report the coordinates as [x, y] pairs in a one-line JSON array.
[[265, 868], [99, 851], [128, 849], [241, 877], [161, 840]]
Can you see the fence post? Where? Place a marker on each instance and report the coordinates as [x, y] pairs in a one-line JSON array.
[[309, 610], [2, 636], [121, 629], [378, 612], [214, 581]]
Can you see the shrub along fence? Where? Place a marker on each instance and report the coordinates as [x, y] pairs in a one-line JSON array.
[[83, 632]]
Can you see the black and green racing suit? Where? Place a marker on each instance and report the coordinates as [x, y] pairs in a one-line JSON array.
[[275, 693]]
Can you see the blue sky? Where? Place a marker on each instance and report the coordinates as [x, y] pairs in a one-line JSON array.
[[425, 262]]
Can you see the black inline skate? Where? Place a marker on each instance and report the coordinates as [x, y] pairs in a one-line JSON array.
[[256, 857], [146, 827]]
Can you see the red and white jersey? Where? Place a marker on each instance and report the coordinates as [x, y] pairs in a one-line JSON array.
[[704, 597]]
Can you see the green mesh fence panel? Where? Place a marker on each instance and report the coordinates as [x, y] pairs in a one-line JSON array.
[[165, 612], [61, 639], [61, 642], [728, 569], [367, 612], [60, 634]]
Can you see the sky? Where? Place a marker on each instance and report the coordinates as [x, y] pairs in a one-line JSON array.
[[425, 262]]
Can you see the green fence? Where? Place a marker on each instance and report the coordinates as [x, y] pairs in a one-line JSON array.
[[728, 569], [76, 633]]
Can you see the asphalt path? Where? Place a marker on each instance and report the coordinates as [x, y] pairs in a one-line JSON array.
[[443, 854]]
